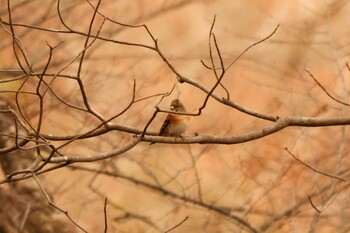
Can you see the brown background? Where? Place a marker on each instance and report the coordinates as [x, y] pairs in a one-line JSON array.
[[259, 181]]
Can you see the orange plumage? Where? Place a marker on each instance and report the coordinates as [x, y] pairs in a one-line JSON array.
[[175, 125]]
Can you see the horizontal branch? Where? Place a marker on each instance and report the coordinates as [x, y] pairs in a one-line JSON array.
[[14, 147], [280, 124], [78, 33], [153, 136], [96, 157]]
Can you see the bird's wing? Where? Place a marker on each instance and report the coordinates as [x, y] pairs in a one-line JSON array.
[[165, 127]]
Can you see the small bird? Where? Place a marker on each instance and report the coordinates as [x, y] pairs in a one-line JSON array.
[[175, 125]]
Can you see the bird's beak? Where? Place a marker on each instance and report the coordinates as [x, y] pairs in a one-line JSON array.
[[172, 108]]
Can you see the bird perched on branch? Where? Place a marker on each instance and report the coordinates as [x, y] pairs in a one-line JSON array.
[[175, 125]]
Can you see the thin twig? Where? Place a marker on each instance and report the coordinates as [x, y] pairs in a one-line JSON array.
[[253, 45], [99, 156], [219, 79], [325, 90], [104, 123], [82, 57], [313, 205], [127, 214], [177, 225], [16, 41], [16, 127], [155, 112], [155, 95], [28, 173], [150, 121], [14, 147], [213, 68], [105, 215], [24, 218], [54, 205], [82, 34], [315, 170], [41, 99]]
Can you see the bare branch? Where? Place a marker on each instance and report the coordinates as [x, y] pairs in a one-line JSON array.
[[253, 45], [313, 205], [96, 157], [213, 68], [15, 41], [169, 193], [280, 124], [50, 121], [315, 170], [177, 225], [86, 45], [324, 89], [105, 215], [54, 205], [103, 124], [155, 112], [14, 147]]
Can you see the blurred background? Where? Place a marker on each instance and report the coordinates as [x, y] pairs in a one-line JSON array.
[[204, 187]]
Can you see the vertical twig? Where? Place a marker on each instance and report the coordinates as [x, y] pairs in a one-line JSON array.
[[211, 34], [105, 215]]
